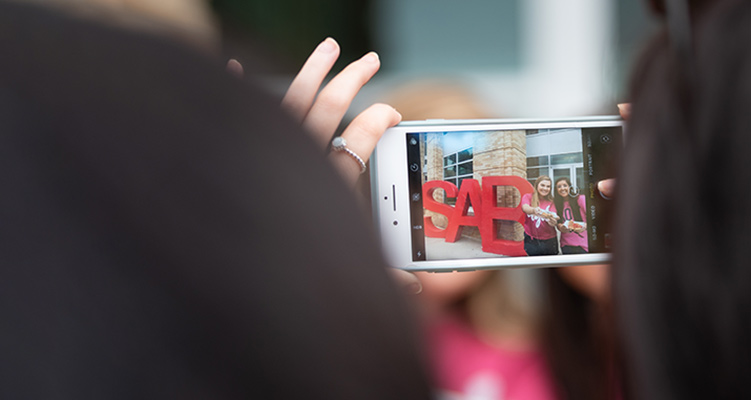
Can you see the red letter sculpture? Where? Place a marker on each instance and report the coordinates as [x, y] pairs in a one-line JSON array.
[[490, 213], [469, 193], [431, 204]]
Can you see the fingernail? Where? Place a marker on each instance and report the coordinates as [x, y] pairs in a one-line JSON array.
[[605, 186], [415, 288], [624, 109], [327, 46], [371, 57], [235, 68]]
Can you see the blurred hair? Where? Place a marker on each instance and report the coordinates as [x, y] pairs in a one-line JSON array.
[[683, 281], [697, 6], [189, 21], [578, 338]]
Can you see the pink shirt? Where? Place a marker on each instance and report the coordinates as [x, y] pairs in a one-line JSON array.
[[571, 238], [535, 226], [468, 368]]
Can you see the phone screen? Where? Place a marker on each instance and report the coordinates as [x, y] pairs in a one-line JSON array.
[[467, 190]]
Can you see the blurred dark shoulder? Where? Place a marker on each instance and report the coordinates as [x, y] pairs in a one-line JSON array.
[[168, 232]]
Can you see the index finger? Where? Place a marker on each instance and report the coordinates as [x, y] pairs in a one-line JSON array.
[[625, 110], [302, 92]]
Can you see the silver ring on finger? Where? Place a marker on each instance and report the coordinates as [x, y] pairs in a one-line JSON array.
[[340, 145]]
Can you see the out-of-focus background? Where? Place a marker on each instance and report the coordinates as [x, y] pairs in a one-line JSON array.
[[521, 58], [517, 58]]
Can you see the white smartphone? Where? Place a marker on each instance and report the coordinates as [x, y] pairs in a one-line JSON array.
[[460, 195]]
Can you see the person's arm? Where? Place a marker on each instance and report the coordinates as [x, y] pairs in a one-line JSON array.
[[527, 208], [552, 221], [530, 210]]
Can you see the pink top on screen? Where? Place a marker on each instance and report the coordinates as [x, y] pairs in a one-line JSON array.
[[535, 226], [572, 238]]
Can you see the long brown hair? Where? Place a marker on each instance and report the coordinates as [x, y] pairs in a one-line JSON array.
[[683, 283]]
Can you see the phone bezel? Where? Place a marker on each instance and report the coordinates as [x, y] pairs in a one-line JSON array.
[[390, 194]]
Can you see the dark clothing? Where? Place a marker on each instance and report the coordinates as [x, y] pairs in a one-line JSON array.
[[539, 247], [573, 250], [166, 233]]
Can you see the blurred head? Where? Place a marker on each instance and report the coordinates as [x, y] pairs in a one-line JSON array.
[[681, 272], [189, 21], [436, 99], [696, 6]]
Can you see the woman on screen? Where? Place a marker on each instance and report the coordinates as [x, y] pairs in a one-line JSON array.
[[540, 237], [572, 219]]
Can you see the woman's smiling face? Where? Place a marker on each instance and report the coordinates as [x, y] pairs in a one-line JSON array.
[[562, 188], [543, 188]]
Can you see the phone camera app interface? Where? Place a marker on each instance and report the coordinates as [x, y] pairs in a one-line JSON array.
[[508, 192]]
